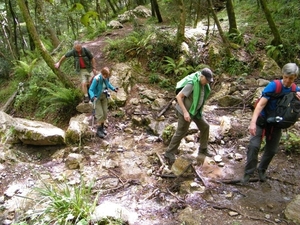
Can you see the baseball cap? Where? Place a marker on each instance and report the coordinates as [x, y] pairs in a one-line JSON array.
[[208, 74]]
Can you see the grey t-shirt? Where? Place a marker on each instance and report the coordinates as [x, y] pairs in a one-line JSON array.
[[187, 91]]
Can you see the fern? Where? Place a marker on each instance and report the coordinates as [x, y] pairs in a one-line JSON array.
[[24, 69], [178, 68], [60, 98]]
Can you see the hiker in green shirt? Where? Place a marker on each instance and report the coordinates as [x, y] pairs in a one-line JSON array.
[[84, 63], [195, 90]]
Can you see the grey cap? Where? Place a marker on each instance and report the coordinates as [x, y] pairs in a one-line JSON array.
[[208, 74]]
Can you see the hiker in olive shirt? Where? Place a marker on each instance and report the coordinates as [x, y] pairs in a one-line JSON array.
[[190, 102], [84, 63]]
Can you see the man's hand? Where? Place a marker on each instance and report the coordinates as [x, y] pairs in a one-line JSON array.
[[252, 128], [57, 65], [187, 116]]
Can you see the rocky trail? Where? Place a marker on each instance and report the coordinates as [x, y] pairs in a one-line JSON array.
[[129, 172]]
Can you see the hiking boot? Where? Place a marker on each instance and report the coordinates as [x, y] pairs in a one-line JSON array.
[[246, 178], [103, 129], [205, 152], [100, 132], [86, 99], [169, 160], [262, 175]]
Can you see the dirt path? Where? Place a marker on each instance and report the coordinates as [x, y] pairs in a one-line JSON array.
[[97, 45]]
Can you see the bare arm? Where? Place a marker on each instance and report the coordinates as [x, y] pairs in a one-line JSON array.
[[57, 65], [259, 107], [180, 96]]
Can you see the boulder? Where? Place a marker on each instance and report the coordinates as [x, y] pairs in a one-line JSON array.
[[19, 130]]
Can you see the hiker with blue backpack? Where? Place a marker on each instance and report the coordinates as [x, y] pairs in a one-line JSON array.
[[99, 94], [84, 63], [192, 93], [277, 109]]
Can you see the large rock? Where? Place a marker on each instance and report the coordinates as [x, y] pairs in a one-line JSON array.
[[78, 130], [111, 209], [292, 210], [16, 130]]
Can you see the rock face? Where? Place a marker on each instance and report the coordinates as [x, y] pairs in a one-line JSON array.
[[18, 130], [292, 210]]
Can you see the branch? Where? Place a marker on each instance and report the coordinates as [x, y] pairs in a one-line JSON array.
[[165, 108], [200, 177]]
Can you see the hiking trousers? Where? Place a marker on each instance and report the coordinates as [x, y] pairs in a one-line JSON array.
[[181, 131], [272, 136], [101, 108]]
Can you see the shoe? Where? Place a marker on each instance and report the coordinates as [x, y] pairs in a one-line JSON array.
[[100, 132], [262, 175], [246, 178], [86, 99], [169, 160], [205, 152], [104, 131]]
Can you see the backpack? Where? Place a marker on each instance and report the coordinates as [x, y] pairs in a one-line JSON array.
[[287, 110], [180, 84], [84, 53]]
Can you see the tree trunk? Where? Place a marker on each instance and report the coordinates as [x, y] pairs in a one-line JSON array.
[[14, 36], [112, 6], [224, 39], [35, 37], [231, 17], [198, 13], [155, 10], [40, 14], [31, 42], [277, 39], [181, 24]]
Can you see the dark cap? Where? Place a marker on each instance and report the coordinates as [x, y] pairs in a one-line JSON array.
[[208, 74]]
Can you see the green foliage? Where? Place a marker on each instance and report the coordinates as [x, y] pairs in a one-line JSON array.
[[167, 134], [236, 38], [154, 78], [58, 99], [166, 83], [86, 18], [23, 70], [174, 67], [250, 46], [274, 52], [148, 45], [134, 44], [234, 67], [26, 102], [178, 68], [64, 204], [5, 68], [92, 32], [45, 97], [291, 142], [7, 89]]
